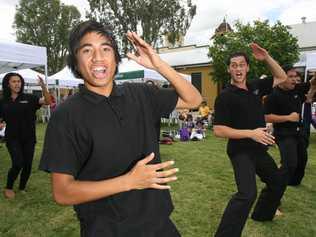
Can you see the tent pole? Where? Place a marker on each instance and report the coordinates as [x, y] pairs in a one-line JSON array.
[[46, 79], [305, 76]]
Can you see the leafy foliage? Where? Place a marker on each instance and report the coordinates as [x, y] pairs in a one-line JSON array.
[[281, 45], [46, 23], [150, 18]]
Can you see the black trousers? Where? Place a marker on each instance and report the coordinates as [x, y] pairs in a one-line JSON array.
[[246, 166], [293, 151], [100, 226], [21, 153]]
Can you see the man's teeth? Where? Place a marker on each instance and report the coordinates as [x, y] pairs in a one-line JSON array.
[[99, 70]]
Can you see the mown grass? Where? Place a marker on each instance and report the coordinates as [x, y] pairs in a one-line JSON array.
[[205, 184]]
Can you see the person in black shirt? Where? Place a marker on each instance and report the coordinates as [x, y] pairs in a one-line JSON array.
[[101, 144], [18, 114], [239, 116], [283, 108]]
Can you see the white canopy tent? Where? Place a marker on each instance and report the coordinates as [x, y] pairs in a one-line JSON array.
[[15, 56], [65, 78], [310, 63], [29, 75]]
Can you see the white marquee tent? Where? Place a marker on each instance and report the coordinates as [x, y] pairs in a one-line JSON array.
[[65, 78], [29, 75], [15, 56], [20, 58], [310, 63]]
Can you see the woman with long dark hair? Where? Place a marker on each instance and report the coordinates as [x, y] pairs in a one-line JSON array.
[[18, 115]]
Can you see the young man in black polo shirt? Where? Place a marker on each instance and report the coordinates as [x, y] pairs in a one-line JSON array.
[[239, 116], [101, 145], [283, 108]]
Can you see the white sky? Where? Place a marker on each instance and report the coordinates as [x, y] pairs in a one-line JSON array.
[[210, 14]]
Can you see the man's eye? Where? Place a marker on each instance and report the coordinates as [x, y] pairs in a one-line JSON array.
[[86, 50], [107, 49]]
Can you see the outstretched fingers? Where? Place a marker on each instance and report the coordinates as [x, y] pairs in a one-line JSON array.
[[162, 165], [167, 173], [137, 41]]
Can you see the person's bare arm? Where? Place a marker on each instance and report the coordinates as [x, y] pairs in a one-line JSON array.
[[189, 96], [261, 54], [275, 118], [312, 91], [68, 191], [2, 125], [259, 135], [46, 100]]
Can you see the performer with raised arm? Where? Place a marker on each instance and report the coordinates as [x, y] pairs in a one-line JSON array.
[[239, 117], [18, 115], [101, 144]]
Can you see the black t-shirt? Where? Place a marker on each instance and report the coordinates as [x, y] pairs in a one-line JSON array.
[[20, 117], [93, 137], [282, 102], [242, 109]]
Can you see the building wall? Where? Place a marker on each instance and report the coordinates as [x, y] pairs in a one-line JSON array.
[[208, 87]]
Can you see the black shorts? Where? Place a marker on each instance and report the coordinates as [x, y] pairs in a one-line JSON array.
[[99, 226]]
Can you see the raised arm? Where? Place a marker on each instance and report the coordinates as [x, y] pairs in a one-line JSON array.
[[312, 90], [261, 54], [145, 55], [46, 100]]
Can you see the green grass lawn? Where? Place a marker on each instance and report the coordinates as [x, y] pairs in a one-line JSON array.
[[205, 184]]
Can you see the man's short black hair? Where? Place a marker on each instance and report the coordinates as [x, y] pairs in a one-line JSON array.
[[79, 32], [237, 54], [287, 68]]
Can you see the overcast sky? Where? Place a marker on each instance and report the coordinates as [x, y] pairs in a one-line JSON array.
[[210, 14]]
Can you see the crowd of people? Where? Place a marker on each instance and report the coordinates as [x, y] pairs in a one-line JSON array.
[[125, 192]]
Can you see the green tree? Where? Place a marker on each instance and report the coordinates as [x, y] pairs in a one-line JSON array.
[[281, 45], [46, 23], [151, 18]]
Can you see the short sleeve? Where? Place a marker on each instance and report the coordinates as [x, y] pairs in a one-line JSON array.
[[303, 88], [1, 110], [164, 100], [264, 86], [270, 105], [35, 101], [60, 150], [222, 115]]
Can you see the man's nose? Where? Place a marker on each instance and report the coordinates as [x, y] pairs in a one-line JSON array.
[[97, 56]]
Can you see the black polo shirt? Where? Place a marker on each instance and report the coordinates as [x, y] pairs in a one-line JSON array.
[[93, 137], [20, 117], [282, 102], [242, 109]]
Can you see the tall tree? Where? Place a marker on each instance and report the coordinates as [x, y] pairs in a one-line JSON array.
[[46, 23], [150, 18], [280, 44]]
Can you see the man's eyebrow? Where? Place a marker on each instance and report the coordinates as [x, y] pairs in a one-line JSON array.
[[84, 45], [90, 45]]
